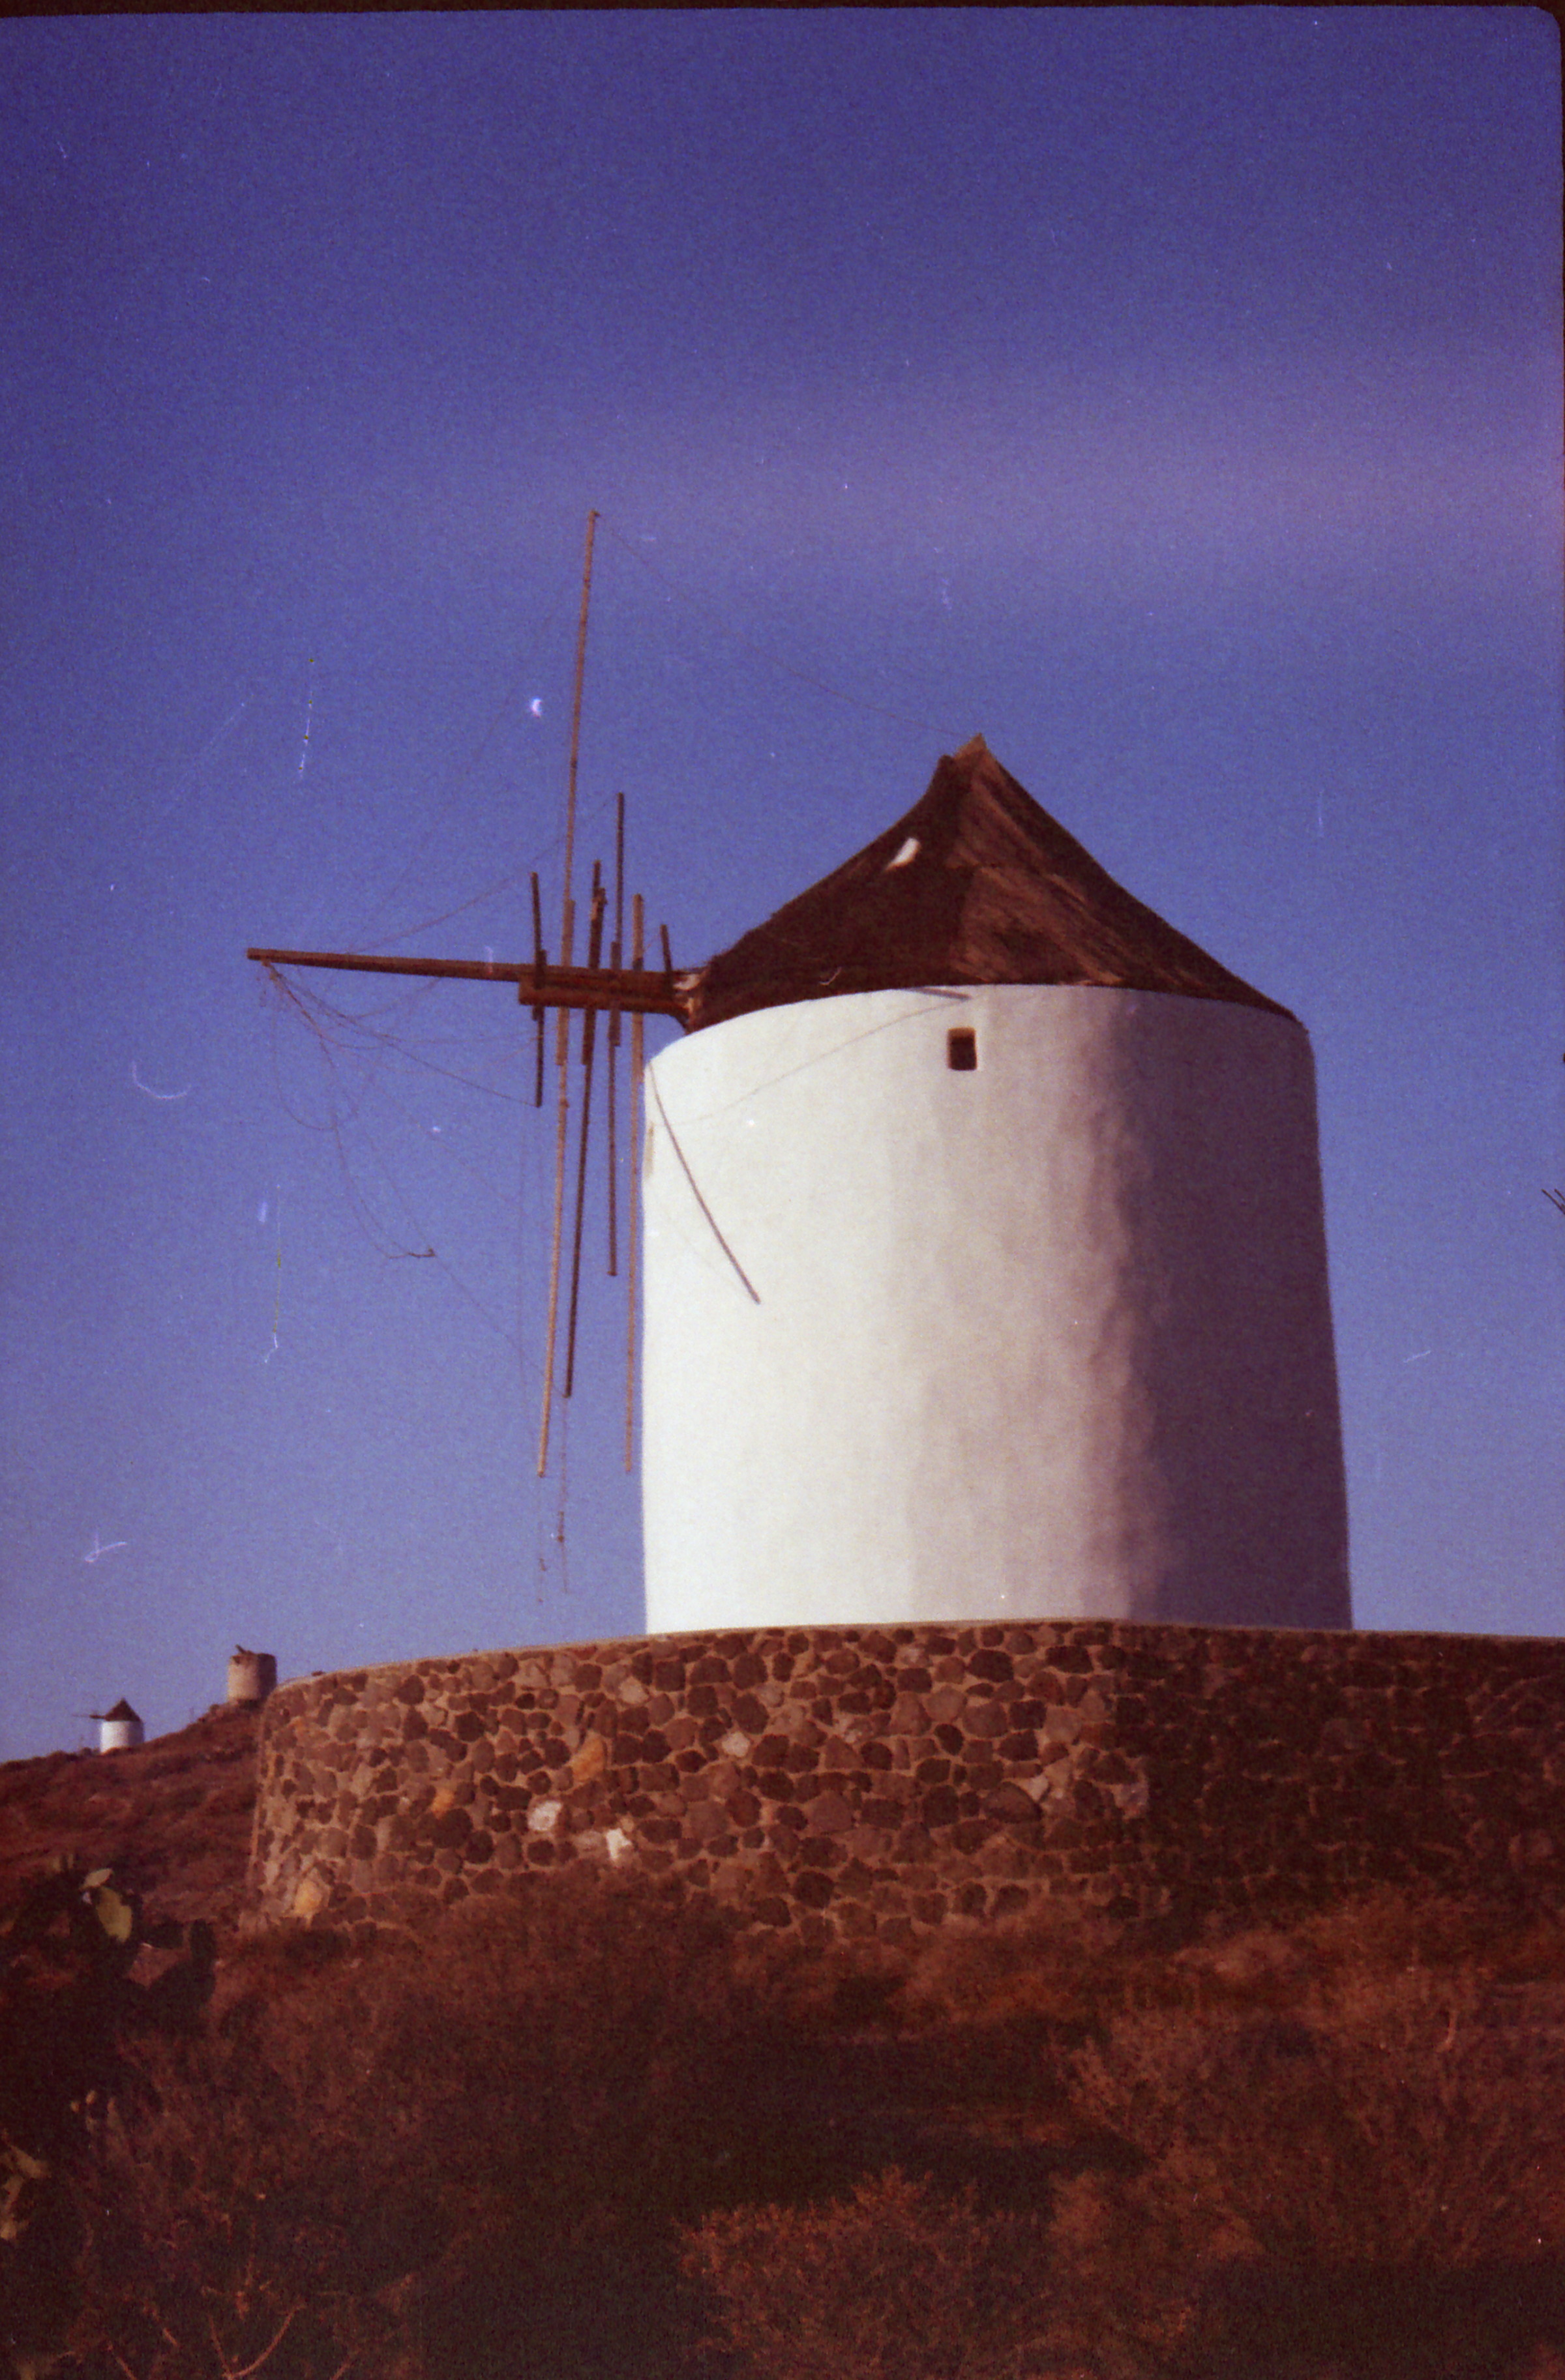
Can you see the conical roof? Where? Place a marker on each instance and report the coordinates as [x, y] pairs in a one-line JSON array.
[[121, 1710], [975, 884]]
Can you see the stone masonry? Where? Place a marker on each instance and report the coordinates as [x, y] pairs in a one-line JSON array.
[[865, 1781]]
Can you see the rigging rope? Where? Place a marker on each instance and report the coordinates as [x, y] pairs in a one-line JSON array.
[[751, 1290]]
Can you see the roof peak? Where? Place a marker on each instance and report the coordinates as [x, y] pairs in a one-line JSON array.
[[975, 884]]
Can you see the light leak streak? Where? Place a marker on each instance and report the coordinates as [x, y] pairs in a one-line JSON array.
[[96, 1551], [277, 1303], [309, 713], [141, 1086], [192, 772]]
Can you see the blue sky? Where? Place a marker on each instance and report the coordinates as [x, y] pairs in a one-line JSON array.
[[1170, 394]]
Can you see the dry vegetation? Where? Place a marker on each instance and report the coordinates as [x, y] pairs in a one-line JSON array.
[[588, 2135], [1327, 2150], [172, 1819]]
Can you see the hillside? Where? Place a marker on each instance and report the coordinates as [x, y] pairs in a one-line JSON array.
[[171, 1819], [578, 2132]]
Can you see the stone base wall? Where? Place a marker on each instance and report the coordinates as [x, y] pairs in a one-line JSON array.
[[881, 1781]]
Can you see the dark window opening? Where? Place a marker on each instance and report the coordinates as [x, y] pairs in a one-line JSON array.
[[961, 1049]]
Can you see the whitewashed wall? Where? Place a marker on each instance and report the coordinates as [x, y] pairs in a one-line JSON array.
[[1051, 1338]]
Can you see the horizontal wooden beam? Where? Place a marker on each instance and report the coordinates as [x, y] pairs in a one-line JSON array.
[[637, 990]]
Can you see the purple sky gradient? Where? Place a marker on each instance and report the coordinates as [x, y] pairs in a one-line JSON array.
[[1172, 395]]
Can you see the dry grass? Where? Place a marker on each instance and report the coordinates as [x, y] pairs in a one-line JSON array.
[[896, 2282], [1326, 2151], [172, 1817], [1329, 2176], [464, 2155], [1387, 2122], [1316, 2147]]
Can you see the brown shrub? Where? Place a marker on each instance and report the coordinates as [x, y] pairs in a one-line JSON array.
[[894, 2283], [1062, 1968], [229, 2226], [536, 2036], [1055, 1967], [1392, 2124], [1365, 2187], [470, 2156], [1328, 2177], [1395, 1930], [453, 2154]]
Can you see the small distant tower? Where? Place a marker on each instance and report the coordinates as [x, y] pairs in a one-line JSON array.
[[986, 1257], [252, 1676], [119, 1730]]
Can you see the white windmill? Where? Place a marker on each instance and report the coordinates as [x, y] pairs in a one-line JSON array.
[[121, 1729], [986, 1257]]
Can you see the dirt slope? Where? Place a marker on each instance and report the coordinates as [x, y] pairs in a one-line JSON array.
[[172, 1819]]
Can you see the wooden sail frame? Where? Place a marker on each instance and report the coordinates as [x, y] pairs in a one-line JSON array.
[[639, 991], [636, 991]]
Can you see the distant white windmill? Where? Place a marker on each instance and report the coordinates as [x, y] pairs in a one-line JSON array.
[[121, 1729], [986, 1257]]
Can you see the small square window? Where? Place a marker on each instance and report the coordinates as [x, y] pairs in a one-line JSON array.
[[961, 1049]]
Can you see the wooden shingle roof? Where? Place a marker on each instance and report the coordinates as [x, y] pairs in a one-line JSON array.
[[975, 884]]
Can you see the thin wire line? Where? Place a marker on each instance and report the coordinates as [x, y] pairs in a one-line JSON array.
[[318, 1014], [510, 883], [749, 1287], [381, 1235]]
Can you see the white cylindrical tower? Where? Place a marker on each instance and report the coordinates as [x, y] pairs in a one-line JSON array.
[[119, 1730], [972, 1299], [1042, 1335]]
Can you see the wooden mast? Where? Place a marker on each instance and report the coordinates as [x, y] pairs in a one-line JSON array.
[[638, 1035], [562, 1045], [614, 953], [635, 991], [588, 1023]]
